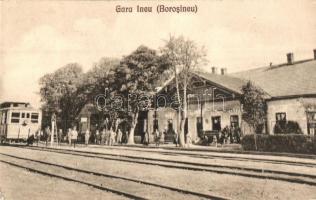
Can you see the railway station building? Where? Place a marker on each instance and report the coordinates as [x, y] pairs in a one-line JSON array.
[[214, 100]]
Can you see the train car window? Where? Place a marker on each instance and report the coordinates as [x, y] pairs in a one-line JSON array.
[[23, 115], [15, 114], [15, 117], [34, 118], [13, 120], [27, 115], [4, 115]]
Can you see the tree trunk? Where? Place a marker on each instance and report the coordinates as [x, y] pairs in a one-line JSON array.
[[131, 133], [180, 117], [184, 116], [255, 137]]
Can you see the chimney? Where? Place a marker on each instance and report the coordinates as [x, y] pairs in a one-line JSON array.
[[214, 70], [314, 54], [223, 71], [290, 58]]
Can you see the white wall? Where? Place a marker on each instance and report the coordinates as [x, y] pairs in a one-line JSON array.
[[294, 109]]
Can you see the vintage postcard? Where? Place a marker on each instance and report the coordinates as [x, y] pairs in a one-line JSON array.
[[157, 99]]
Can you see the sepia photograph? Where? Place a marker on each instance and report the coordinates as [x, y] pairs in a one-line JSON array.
[[157, 99]]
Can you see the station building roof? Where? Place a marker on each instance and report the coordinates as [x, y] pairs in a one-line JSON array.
[[284, 80]]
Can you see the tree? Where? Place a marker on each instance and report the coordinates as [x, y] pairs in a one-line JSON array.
[[100, 81], [100, 77], [254, 106], [137, 77], [185, 56], [60, 94]]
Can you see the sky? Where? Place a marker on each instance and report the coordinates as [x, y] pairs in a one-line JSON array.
[[38, 37]]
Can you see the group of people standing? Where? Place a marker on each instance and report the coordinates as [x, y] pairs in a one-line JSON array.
[[159, 137], [110, 137], [230, 135], [227, 135], [72, 136]]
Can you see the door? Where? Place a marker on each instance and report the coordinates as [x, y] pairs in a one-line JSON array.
[[216, 123], [199, 126], [170, 131]]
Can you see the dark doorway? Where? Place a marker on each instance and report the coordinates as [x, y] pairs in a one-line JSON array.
[[94, 122], [216, 123], [199, 126], [234, 121], [155, 127], [186, 128], [170, 131], [141, 127]]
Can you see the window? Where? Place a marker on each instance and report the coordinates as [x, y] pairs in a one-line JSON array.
[[280, 124], [15, 117], [280, 117], [311, 123], [197, 84], [23, 115], [234, 121], [27, 115], [34, 118]]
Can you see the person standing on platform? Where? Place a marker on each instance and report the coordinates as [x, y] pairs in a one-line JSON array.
[[146, 138], [69, 136], [107, 137], [60, 136], [119, 136], [74, 136], [97, 137], [112, 137], [176, 138], [189, 139], [103, 136], [37, 135], [126, 137], [162, 136], [157, 137], [87, 137], [47, 134]]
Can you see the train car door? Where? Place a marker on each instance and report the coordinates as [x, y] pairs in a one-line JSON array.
[[24, 125]]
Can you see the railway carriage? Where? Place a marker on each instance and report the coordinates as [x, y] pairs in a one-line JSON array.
[[18, 120]]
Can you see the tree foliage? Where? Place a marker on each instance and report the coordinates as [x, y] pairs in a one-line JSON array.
[[133, 79], [61, 94], [254, 106], [136, 78]]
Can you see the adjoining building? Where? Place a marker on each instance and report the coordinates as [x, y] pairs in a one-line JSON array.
[[292, 92]]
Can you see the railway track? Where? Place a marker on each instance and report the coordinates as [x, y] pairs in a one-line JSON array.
[[225, 157], [308, 179], [222, 157], [102, 181]]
